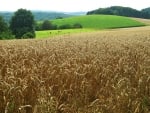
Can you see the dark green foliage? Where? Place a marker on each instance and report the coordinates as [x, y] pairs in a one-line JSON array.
[[46, 25], [6, 35], [146, 10], [65, 26], [3, 25], [4, 31], [68, 26], [22, 22], [121, 11], [54, 27], [28, 35], [77, 25], [59, 17], [38, 26]]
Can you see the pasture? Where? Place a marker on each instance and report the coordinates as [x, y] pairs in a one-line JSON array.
[[52, 33], [92, 72], [99, 21], [89, 23]]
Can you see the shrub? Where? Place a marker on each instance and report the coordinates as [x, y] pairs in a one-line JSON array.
[[77, 25], [65, 26], [6, 35], [28, 35]]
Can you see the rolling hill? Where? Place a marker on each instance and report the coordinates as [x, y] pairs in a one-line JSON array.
[[99, 21], [38, 15]]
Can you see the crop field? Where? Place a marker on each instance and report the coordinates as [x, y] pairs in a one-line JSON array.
[[99, 21], [96, 72]]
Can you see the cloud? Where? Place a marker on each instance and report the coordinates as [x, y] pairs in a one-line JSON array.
[[69, 5]]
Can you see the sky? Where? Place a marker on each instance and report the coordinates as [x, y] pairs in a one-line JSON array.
[[69, 5]]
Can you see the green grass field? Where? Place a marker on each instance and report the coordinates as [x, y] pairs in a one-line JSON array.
[[52, 33], [99, 21], [89, 23]]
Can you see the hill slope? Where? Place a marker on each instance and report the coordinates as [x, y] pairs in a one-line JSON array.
[[99, 21]]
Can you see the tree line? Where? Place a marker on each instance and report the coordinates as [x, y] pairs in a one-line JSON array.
[[122, 11], [48, 25]]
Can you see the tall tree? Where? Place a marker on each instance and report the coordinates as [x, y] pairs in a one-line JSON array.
[[22, 22], [4, 30], [3, 25], [46, 25]]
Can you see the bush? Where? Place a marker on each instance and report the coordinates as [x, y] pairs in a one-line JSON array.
[[65, 26], [59, 17], [38, 27], [77, 25], [28, 35], [46, 25], [68, 26], [54, 27], [6, 35]]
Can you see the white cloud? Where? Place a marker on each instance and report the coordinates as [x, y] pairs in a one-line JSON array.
[[69, 5]]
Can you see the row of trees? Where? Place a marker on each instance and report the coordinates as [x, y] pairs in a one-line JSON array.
[[47, 25], [122, 11], [21, 26]]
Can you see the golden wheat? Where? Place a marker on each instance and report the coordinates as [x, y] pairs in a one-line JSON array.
[[100, 72]]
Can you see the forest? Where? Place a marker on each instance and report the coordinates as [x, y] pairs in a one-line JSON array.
[[122, 11]]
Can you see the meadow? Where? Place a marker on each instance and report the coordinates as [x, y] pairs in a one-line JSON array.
[[99, 21], [89, 23], [93, 72], [53, 33]]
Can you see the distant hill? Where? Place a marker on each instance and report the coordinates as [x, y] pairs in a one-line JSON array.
[[76, 13], [146, 10], [122, 11], [6, 15], [98, 21], [39, 15]]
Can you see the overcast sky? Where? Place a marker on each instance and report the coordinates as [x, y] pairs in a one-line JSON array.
[[69, 5]]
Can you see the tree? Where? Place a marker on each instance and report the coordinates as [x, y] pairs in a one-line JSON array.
[[46, 25], [77, 25], [22, 22], [4, 31], [3, 25]]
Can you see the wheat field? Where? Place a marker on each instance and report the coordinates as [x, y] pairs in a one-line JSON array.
[[98, 72]]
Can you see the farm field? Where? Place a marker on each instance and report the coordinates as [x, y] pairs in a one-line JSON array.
[[92, 72]]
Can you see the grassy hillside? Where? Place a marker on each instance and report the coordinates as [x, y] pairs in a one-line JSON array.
[[51, 33], [99, 21]]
